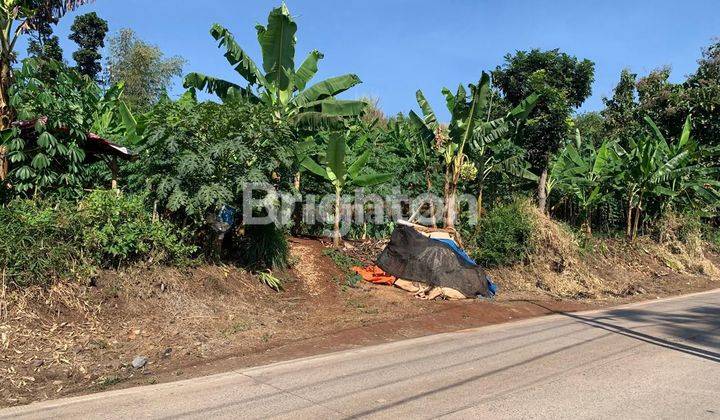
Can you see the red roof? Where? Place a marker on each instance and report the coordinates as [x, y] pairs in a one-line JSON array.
[[94, 145]]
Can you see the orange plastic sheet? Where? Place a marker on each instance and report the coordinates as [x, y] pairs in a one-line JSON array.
[[374, 274]]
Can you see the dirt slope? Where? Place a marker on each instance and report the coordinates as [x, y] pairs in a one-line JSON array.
[[76, 339]]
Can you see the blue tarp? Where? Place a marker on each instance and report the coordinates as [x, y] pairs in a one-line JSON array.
[[492, 287]]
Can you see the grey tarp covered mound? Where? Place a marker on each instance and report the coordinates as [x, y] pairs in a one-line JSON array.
[[413, 256]]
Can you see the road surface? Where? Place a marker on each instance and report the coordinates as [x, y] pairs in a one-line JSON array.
[[653, 360]]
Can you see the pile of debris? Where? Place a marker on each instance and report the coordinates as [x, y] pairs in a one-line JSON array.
[[428, 262]]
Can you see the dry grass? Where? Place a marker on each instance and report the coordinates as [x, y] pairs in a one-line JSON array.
[[309, 270], [604, 268], [555, 267], [73, 336]]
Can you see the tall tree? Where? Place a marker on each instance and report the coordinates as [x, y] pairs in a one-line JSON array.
[[563, 83], [143, 68], [16, 19], [621, 111], [661, 100], [88, 32], [44, 44], [703, 96]]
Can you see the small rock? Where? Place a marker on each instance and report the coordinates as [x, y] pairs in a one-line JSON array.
[[37, 363], [167, 353], [139, 362], [115, 365]]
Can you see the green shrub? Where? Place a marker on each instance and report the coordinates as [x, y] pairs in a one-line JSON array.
[[504, 235], [39, 243], [42, 242], [264, 246], [118, 229]]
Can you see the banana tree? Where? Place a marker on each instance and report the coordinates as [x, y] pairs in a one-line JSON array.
[[423, 155], [669, 171], [695, 179], [279, 85], [586, 174], [333, 168], [492, 149], [467, 124]]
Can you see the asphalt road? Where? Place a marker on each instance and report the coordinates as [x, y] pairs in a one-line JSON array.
[[654, 360]]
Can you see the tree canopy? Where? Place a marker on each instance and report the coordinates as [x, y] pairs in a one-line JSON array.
[[142, 67], [88, 32], [563, 83]]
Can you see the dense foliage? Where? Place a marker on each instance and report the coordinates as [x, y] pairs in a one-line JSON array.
[[195, 157], [194, 161], [646, 161], [48, 158], [45, 241], [88, 32], [504, 235]]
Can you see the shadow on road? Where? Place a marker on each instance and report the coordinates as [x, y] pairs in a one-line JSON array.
[[695, 325], [690, 331]]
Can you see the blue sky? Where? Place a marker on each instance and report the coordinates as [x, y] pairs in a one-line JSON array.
[[399, 46]]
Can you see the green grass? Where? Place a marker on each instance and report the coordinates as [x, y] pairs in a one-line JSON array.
[[345, 263]]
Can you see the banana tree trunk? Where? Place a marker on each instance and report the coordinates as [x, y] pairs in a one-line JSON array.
[[587, 223], [629, 216], [450, 209], [297, 212], [636, 222], [296, 181], [336, 230], [449, 196], [432, 202], [480, 202], [4, 166]]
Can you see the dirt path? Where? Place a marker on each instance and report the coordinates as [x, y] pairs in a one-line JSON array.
[[309, 267]]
